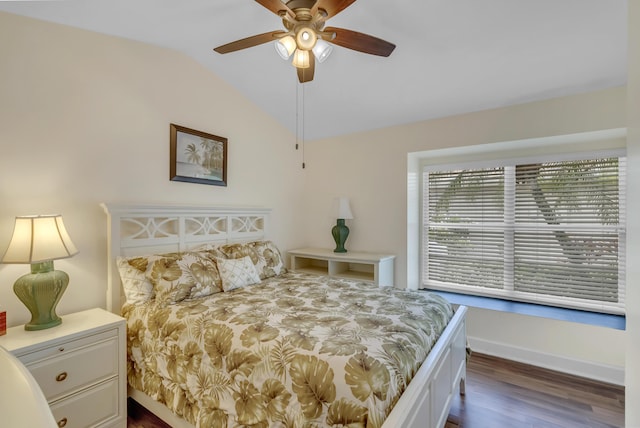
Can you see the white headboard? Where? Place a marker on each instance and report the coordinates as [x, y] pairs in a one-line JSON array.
[[148, 229]]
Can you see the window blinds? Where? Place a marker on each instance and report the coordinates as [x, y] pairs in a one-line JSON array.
[[549, 232]]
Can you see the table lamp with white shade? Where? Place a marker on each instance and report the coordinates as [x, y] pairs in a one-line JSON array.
[[340, 231], [39, 240]]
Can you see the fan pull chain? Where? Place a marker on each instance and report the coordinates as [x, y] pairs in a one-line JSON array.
[[300, 120], [303, 162], [297, 120]]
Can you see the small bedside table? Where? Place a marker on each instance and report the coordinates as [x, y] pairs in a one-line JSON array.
[[376, 268], [80, 366]]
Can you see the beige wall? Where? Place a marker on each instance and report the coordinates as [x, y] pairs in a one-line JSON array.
[[84, 119], [632, 379], [371, 169]]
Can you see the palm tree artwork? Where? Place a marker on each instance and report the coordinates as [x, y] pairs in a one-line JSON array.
[[200, 157]]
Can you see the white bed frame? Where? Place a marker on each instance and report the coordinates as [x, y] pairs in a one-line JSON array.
[[148, 229]]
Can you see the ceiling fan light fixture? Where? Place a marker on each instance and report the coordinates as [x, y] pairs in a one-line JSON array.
[[285, 46], [306, 38], [301, 59], [322, 50]]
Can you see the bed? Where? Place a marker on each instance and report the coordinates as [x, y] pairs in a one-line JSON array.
[[279, 348]]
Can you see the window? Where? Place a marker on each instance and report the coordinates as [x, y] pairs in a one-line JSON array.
[[536, 230]]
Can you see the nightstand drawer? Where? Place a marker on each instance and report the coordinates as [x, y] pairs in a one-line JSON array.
[[58, 348], [89, 407], [78, 368]]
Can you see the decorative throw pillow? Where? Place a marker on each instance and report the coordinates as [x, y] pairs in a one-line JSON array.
[[212, 253], [168, 284], [204, 271], [186, 277], [209, 247], [269, 259], [239, 250], [133, 275], [237, 273]]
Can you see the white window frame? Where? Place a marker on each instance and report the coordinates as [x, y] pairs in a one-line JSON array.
[[561, 148]]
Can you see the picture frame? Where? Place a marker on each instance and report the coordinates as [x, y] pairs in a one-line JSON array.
[[197, 157]]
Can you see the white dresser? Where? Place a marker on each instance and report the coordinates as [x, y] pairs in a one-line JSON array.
[[80, 366], [373, 267]]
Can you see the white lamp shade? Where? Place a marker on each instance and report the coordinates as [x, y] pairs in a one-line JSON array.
[[306, 38], [285, 46], [341, 208], [322, 50], [39, 239], [301, 59]]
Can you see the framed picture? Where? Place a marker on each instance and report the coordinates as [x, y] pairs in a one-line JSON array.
[[197, 157]]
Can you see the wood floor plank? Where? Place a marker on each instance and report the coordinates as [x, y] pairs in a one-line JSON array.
[[506, 394]]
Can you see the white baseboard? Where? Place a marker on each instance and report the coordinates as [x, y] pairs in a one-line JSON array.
[[587, 369]]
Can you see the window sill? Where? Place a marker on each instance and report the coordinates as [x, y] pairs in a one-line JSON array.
[[617, 322]]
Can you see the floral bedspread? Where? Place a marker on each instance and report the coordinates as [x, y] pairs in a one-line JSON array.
[[296, 350]]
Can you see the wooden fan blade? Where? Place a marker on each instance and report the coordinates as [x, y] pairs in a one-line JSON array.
[[306, 74], [360, 42], [249, 42], [333, 7], [276, 6]]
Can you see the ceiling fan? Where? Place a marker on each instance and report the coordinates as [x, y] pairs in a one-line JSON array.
[[305, 36]]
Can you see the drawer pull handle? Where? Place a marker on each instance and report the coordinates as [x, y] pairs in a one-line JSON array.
[[62, 376], [62, 422], [61, 349]]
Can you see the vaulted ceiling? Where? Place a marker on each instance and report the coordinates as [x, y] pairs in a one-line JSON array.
[[452, 56]]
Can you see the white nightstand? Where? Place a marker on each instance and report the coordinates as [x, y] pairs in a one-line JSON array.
[[80, 366], [376, 268]]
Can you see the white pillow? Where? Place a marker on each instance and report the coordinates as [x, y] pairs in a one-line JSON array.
[[237, 273], [137, 288]]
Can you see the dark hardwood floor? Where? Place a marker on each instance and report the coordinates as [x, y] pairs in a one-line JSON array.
[[139, 417], [505, 394]]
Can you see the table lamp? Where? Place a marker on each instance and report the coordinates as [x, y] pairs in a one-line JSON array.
[[39, 240], [340, 231]]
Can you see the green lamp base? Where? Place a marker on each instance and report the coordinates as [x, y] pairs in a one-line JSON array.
[[340, 234], [40, 291]]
